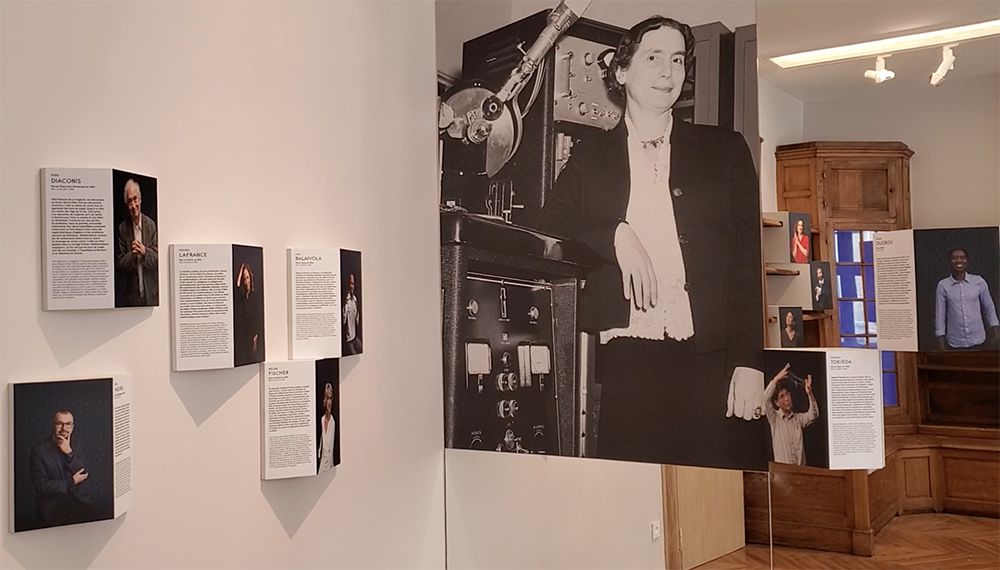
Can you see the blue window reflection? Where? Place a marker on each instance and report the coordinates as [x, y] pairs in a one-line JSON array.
[[866, 247], [888, 360], [853, 253], [849, 282], [889, 397], [872, 328], [852, 317], [853, 342], [847, 250]]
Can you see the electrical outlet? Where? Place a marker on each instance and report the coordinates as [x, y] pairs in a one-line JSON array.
[[655, 530]]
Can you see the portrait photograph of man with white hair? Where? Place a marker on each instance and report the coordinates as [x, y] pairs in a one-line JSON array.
[[137, 259]]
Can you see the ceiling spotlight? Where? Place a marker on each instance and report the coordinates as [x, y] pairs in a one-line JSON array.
[[880, 73], [947, 62]]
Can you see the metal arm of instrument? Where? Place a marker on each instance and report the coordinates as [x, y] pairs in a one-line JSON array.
[[560, 18], [476, 115]]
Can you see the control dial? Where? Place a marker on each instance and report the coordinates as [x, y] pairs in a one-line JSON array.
[[506, 382], [509, 441], [472, 307], [507, 409]]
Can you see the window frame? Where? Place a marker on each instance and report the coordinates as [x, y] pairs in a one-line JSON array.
[[906, 411]]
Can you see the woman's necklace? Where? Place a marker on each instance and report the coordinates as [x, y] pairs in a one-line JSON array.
[[655, 143]]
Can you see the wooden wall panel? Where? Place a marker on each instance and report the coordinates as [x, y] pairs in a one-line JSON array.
[[709, 505], [971, 482], [917, 474], [971, 479], [883, 496], [810, 496], [811, 508], [820, 538], [914, 481]]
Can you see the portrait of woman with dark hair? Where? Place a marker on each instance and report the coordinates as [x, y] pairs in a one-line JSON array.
[[791, 331], [800, 242], [673, 210]]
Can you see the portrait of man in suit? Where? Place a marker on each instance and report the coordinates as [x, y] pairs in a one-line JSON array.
[[59, 476], [821, 296], [137, 254]]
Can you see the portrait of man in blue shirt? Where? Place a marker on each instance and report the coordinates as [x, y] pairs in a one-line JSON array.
[[965, 317]]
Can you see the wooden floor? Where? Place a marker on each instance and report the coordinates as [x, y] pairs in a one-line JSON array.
[[911, 542]]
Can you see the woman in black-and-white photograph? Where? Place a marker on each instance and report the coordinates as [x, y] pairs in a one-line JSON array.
[[672, 208]]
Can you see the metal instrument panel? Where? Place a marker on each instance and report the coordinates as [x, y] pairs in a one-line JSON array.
[[580, 95], [508, 401]]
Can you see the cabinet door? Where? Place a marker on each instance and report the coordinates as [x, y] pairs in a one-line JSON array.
[[862, 188]]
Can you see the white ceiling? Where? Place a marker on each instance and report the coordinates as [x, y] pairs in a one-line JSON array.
[[791, 26]]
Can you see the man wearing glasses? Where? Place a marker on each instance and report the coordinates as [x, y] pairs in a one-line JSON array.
[[59, 476]]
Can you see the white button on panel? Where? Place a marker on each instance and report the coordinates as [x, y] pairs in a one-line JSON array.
[[478, 358], [541, 359]]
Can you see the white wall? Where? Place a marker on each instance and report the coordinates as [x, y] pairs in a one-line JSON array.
[[955, 171], [781, 119], [272, 123], [532, 511]]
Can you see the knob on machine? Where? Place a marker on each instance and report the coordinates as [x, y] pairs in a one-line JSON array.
[[509, 440], [533, 313], [507, 382], [507, 409], [472, 307]]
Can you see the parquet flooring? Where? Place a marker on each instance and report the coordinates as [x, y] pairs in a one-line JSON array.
[[910, 542]]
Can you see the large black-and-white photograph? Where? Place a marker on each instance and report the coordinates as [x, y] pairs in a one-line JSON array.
[[63, 453], [248, 305], [958, 288], [795, 406], [600, 160], [328, 414], [137, 248], [352, 339]]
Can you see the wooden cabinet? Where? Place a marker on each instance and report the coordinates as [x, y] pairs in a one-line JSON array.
[[844, 185], [862, 188], [847, 181]]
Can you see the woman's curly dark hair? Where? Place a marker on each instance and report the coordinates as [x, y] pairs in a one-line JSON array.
[[630, 43]]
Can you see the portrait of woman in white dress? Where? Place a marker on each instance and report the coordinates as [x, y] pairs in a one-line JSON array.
[[328, 430]]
